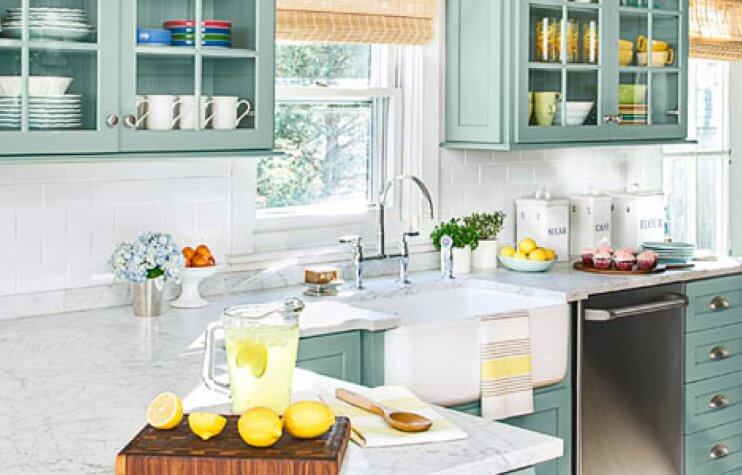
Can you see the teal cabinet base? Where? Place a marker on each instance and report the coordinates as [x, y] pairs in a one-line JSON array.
[[552, 415], [355, 356]]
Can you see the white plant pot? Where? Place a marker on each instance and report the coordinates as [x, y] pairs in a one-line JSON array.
[[461, 261], [485, 255]]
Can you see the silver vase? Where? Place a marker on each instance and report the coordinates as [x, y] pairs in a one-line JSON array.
[[147, 297]]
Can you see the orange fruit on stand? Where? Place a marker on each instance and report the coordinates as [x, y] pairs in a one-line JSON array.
[[188, 253]]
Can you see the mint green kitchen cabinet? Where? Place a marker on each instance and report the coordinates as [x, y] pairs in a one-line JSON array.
[[354, 356], [560, 78], [713, 373], [113, 76]]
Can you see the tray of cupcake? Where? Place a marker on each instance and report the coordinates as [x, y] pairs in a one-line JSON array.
[[604, 260]]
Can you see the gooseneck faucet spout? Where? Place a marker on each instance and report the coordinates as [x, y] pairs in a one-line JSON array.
[[381, 234]]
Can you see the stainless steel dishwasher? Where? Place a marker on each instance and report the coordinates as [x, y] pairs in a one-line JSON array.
[[630, 382]]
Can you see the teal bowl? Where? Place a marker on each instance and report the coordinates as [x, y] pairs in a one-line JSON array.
[[523, 265]]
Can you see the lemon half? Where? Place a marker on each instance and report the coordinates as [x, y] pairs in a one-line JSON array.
[[165, 411], [206, 425]]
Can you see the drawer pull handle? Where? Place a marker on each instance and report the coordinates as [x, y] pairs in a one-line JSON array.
[[719, 401], [719, 353], [719, 451], [719, 303]]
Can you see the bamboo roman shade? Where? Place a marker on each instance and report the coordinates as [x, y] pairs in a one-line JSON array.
[[716, 29], [408, 22]]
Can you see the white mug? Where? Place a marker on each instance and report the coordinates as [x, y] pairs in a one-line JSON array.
[[188, 112], [224, 112], [160, 113]]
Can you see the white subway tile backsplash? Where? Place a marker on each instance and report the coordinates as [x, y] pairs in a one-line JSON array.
[[7, 222], [40, 222], [495, 175], [8, 175], [520, 173], [139, 218], [478, 157], [21, 196], [161, 191], [465, 175], [43, 173], [64, 195]]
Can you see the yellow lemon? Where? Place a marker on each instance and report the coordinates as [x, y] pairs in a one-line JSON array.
[[260, 427], [252, 355], [550, 254], [520, 255], [308, 419], [507, 251], [527, 245], [165, 411], [538, 255], [206, 425]]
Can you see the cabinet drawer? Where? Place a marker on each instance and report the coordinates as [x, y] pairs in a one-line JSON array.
[[715, 451], [713, 353], [337, 355], [713, 402], [714, 303]]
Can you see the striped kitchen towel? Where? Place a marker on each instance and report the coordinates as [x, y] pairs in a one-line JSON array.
[[507, 386]]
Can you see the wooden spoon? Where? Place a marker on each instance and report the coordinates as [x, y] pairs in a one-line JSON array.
[[400, 420]]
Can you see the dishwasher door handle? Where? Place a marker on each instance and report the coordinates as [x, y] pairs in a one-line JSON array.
[[669, 302]]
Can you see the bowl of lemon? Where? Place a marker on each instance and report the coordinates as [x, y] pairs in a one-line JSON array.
[[527, 257]]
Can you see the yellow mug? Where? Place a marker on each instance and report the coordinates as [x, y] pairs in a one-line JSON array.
[[545, 107], [642, 45]]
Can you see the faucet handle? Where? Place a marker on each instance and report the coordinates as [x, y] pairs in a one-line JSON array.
[[351, 239], [407, 234]]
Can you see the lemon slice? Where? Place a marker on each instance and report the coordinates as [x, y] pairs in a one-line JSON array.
[[206, 425], [165, 411], [252, 355]]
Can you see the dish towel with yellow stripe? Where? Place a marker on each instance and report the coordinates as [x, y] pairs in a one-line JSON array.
[[507, 385], [370, 430]]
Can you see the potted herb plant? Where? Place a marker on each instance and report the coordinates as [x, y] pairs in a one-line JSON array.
[[488, 227], [464, 241], [147, 263]]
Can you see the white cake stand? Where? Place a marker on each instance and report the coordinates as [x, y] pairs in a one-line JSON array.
[[190, 279]]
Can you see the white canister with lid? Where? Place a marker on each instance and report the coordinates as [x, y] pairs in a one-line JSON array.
[[546, 220], [590, 221], [638, 218]]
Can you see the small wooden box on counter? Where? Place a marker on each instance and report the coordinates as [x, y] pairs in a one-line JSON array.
[[162, 452]]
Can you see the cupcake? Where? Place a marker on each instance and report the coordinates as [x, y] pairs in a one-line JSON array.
[[624, 260], [602, 260], [647, 260], [587, 256], [605, 248]]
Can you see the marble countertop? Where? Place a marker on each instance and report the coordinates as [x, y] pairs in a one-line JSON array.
[[75, 388]]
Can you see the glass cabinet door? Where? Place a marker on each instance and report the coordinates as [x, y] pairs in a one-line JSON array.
[[197, 75], [561, 72], [652, 72], [54, 58]]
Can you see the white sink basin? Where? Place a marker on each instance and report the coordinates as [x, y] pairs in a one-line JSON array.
[[435, 350]]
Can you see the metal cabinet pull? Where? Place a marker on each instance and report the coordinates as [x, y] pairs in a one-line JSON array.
[[719, 303], [675, 113], [719, 353], [719, 401], [718, 451], [617, 119], [112, 120], [607, 119], [130, 121]]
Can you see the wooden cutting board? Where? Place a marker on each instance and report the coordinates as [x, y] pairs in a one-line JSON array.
[[179, 451]]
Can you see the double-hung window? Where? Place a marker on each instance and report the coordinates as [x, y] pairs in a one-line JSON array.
[[338, 127], [695, 177]]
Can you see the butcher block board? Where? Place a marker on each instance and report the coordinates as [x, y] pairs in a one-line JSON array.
[[179, 451]]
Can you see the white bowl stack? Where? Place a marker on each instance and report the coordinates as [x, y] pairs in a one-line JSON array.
[[48, 105], [56, 23]]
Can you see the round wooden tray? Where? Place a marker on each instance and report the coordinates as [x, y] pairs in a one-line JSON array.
[[585, 268]]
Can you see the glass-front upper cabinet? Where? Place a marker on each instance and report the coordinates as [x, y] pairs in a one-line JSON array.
[[197, 75], [55, 57], [562, 71], [651, 82]]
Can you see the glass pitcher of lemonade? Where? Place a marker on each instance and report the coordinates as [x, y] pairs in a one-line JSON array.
[[261, 343]]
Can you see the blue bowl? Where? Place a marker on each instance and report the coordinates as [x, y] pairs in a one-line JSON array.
[[148, 36], [192, 29], [224, 44]]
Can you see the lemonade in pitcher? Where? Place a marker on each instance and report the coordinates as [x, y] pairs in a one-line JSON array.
[[261, 343]]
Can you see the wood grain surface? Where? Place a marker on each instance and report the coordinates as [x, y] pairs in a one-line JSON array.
[[179, 451]]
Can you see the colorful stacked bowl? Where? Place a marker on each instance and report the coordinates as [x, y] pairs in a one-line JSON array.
[[153, 37], [214, 32]]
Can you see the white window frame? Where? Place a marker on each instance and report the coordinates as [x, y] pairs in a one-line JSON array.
[[275, 228], [692, 153]]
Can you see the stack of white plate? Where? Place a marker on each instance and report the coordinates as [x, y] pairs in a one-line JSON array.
[[55, 23], [672, 252], [44, 112]]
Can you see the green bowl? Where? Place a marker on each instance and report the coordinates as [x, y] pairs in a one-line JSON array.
[[523, 265], [632, 94]]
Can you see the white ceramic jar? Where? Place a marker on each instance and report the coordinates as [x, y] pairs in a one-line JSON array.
[[546, 220], [590, 221], [637, 218]]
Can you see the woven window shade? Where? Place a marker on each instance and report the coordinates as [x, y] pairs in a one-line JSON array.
[[407, 22], [716, 29]]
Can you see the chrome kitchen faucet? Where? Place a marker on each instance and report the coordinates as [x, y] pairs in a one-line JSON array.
[[404, 252]]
